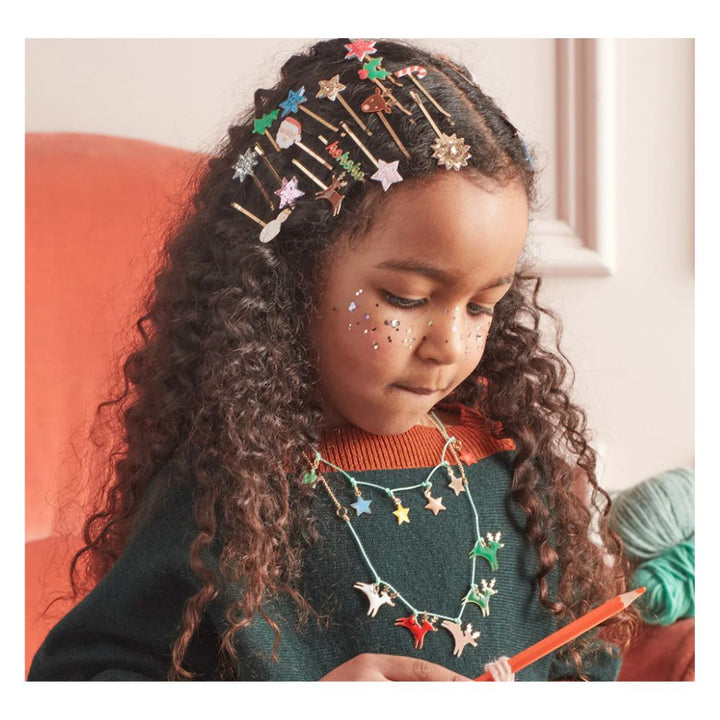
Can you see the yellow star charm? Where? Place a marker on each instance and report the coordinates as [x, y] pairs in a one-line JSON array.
[[330, 88], [402, 514]]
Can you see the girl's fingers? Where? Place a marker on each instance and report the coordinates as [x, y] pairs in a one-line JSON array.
[[402, 669], [501, 670]]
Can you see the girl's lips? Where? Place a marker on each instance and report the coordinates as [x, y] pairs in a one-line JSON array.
[[417, 391]]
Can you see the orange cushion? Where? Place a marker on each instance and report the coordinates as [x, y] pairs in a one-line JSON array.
[[95, 211]]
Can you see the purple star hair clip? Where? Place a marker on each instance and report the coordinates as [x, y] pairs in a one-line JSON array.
[[289, 192]]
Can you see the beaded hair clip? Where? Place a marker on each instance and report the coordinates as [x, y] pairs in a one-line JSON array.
[[450, 151]]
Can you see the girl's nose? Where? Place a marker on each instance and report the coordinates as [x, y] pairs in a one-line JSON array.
[[442, 338]]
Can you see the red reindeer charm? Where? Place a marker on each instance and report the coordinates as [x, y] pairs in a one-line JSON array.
[[416, 629]]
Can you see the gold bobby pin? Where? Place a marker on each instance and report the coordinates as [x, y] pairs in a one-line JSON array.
[[300, 166], [261, 153], [449, 150], [239, 207], [327, 124], [245, 166], [331, 90], [344, 126], [421, 73], [377, 103]]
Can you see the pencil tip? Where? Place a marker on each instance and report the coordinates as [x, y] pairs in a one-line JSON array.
[[639, 591]]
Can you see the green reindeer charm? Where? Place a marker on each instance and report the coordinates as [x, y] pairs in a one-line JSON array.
[[488, 549], [481, 597]]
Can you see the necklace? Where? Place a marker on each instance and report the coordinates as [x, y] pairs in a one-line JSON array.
[[381, 592]]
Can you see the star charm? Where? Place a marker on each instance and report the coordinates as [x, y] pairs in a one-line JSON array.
[[456, 484], [289, 192], [262, 124], [435, 504], [362, 505], [402, 514], [245, 164], [294, 98], [387, 173], [360, 48], [371, 69], [451, 151], [330, 88], [467, 457]]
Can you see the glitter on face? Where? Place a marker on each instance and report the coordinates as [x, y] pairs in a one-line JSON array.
[[349, 326], [365, 331], [367, 317], [393, 323], [352, 306], [375, 346], [429, 323], [454, 328], [359, 292]]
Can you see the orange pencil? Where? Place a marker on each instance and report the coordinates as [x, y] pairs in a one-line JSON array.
[[569, 632]]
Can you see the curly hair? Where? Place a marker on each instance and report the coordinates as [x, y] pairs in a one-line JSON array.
[[225, 361]]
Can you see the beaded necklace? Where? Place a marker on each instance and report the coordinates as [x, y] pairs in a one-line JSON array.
[[381, 592]]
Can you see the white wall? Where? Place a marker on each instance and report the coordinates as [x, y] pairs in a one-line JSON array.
[[630, 336]]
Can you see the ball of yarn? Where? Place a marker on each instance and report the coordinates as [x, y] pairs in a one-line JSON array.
[[669, 580], [656, 514]]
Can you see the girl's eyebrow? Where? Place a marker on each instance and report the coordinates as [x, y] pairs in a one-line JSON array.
[[422, 268]]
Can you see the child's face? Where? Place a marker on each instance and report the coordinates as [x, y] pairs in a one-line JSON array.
[[383, 329]]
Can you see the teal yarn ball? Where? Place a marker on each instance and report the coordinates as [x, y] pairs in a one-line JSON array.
[[656, 514], [670, 582]]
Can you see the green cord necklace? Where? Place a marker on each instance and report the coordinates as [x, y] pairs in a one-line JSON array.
[[381, 592]]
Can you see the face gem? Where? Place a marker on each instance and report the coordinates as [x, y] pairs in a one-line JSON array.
[[245, 165], [289, 192], [367, 317], [387, 173], [352, 306]]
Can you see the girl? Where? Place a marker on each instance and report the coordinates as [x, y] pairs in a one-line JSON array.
[[346, 454]]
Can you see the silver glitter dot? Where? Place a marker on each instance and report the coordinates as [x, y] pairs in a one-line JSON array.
[[454, 328], [367, 317], [365, 331], [352, 306], [375, 346], [359, 292], [349, 326], [430, 323]]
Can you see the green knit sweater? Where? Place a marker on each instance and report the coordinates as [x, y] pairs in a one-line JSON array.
[[124, 629]]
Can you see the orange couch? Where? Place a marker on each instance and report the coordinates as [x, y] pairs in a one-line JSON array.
[[95, 210]]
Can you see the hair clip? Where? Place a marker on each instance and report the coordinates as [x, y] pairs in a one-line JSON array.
[[387, 173], [377, 103], [263, 157], [331, 90], [261, 125], [289, 192], [245, 166], [290, 133], [294, 102], [330, 193], [360, 49], [450, 150], [270, 229], [418, 70], [343, 159]]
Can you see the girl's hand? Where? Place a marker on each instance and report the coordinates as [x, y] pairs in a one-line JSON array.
[[501, 670], [374, 666]]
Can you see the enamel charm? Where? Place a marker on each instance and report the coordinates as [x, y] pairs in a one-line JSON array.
[[461, 637], [487, 548], [418, 630], [375, 598], [481, 597]]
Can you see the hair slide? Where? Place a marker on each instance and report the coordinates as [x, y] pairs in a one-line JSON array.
[[294, 102], [360, 49], [418, 70], [450, 150], [331, 90], [261, 125], [289, 192], [387, 172], [290, 133], [377, 103], [270, 229], [330, 193], [343, 159], [245, 166]]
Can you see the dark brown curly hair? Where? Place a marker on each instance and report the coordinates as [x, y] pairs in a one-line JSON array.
[[224, 361]]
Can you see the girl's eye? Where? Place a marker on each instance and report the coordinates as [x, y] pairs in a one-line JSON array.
[[403, 302], [474, 309], [400, 302]]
